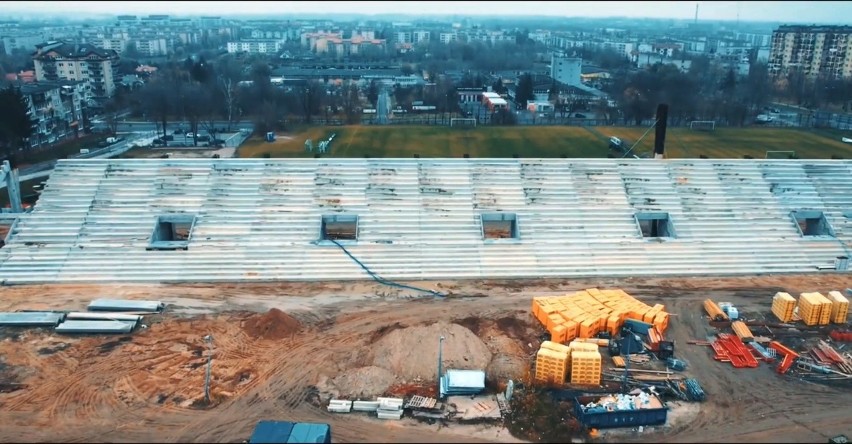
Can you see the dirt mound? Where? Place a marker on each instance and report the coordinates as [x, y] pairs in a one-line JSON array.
[[362, 382], [274, 324], [412, 353]]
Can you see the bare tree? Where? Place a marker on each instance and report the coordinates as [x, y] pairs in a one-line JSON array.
[[195, 106], [158, 102], [310, 98], [351, 103]]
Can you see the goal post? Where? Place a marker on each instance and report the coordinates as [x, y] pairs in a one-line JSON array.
[[702, 125], [465, 122]]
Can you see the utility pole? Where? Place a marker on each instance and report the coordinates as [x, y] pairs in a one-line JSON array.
[[440, 352], [209, 340]]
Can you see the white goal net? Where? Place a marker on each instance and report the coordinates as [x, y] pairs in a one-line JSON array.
[[702, 125], [463, 122]]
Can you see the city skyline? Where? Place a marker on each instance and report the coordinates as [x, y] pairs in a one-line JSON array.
[[772, 11]]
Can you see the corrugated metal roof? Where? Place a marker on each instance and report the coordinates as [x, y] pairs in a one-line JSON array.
[[87, 326], [33, 318], [259, 219], [125, 305]]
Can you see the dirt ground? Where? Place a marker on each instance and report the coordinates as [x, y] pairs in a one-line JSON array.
[[278, 348]]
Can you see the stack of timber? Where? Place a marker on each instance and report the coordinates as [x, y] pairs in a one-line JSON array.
[[783, 305], [586, 313], [839, 307], [742, 331]]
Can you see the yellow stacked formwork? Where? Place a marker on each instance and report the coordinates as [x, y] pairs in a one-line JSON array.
[[783, 306], [814, 309], [839, 307], [551, 363], [586, 313], [585, 367]]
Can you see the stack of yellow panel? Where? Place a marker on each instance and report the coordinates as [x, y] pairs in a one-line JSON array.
[[742, 331], [586, 313], [814, 309], [551, 363], [839, 307], [783, 306], [585, 367]]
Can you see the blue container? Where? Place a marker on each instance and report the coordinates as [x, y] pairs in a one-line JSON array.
[[284, 432], [593, 418]]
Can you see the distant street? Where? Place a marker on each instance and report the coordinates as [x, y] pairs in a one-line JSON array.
[[142, 126]]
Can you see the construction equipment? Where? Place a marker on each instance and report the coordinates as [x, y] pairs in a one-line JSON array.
[[789, 359]]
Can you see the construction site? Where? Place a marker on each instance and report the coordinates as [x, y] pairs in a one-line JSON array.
[[428, 300]]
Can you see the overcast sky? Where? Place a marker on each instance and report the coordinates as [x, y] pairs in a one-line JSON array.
[[775, 11]]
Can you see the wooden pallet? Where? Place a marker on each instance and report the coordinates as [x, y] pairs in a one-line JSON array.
[[422, 402]]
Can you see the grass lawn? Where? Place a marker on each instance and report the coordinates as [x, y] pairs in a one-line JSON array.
[[435, 141], [547, 141], [737, 142]]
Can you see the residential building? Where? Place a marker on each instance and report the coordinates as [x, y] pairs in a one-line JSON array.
[[816, 51], [566, 70], [494, 102], [117, 43], [152, 47], [255, 46], [81, 62], [448, 37], [57, 109]]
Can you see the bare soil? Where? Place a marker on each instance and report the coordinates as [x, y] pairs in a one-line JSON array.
[[279, 351]]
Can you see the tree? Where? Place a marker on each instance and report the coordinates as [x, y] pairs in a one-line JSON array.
[[553, 93], [498, 86], [524, 90], [351, 101], [196, 105], [15, 124], [310, 98], [228, 81], [157, 101]]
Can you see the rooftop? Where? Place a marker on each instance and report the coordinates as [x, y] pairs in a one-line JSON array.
[[102, 220]]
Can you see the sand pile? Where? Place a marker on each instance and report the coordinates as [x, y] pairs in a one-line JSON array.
[[274, 324], [362, 382], [412, 352]]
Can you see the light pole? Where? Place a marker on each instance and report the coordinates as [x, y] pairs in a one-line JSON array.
[[209, 340], [440, 352]]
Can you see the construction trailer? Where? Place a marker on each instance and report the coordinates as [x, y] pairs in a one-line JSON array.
[[290, 432]]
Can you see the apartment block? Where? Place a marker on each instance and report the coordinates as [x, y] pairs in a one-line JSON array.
[[255, 46], [152, 47], [816, 51], [80, 62], [56, 108], [566, 70]]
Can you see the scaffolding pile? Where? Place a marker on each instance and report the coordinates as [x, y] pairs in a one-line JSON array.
[[839, 307], [783, 306], [586, 313], [814, 309]]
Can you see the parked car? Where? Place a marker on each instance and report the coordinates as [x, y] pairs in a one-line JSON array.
[[580, 116]]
